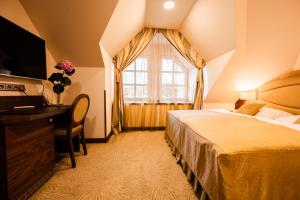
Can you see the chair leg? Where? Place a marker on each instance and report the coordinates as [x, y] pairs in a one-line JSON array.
[[83, 142], [71, 151]]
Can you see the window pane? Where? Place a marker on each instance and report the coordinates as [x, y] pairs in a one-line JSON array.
[[141, 77], [166, 78], [178, 68], [128, 91], [141, 91], [141, 64], [167, 65], [179, 78], [179, 92], [167, 92], [128, 77], [130, 67]]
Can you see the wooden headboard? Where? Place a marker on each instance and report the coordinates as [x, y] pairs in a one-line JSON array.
[[282, 93]]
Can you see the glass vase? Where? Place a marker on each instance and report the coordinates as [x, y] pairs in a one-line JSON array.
[[59, 101]]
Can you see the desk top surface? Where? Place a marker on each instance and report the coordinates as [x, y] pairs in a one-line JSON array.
[[15, 117]]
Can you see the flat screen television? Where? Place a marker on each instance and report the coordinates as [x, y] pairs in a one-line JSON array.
[[22, 53]]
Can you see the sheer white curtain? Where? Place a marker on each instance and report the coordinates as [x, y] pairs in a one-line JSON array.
[[160, 74]]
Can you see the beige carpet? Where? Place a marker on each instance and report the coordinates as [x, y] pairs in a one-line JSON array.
[[135, 165]]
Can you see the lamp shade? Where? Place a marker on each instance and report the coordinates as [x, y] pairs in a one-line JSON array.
[[248, 95]]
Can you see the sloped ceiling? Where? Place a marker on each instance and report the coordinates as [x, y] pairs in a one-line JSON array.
[[158, 17], [72, 28], [127, 20], [210, 27], [130, 16]]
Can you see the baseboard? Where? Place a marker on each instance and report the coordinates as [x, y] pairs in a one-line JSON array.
[[98, 140], [95, 140], [145, 128], [109, 136]]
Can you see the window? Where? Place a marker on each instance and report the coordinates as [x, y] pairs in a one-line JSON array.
[[173, 81], [135, 80], [159, 74]]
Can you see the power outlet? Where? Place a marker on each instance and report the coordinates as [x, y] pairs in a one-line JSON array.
[[22, 88], [11, 87], [15, 87], [2, 86]]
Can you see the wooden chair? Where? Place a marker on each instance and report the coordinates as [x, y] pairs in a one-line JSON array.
[[75, 126]]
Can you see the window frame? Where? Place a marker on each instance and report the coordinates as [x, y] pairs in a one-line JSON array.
[[134, 85], [174, 99]]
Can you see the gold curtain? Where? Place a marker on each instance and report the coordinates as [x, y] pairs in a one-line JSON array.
[[188, 52], [135, 47], [127, 55], [150, 115]]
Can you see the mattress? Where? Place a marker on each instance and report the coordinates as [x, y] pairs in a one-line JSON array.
[[238, 157]]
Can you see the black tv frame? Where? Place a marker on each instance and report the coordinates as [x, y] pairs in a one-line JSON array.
[[44, 76]]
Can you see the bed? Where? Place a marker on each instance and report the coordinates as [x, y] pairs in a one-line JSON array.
[[234, 156]]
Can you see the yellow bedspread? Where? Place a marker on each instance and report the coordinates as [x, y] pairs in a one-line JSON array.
[[237, 157]]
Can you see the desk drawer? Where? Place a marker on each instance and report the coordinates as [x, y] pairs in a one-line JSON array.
[[30, 155]]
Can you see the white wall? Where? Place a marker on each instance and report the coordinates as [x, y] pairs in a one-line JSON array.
[[273, 42], [228, 106], [215, 68], [108, 88], [91, 81], [297, 65], [267, 45]]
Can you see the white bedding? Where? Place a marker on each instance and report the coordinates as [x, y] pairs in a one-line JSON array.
[[267, 120]]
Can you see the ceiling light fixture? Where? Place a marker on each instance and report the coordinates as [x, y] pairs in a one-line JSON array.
[[169, 4]]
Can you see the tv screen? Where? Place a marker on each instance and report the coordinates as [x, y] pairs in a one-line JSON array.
[[21, 52]]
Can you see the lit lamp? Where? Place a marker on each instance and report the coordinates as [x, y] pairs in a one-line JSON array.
[[249, 95], [169, 4]]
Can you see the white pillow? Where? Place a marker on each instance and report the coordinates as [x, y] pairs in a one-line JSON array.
[[288, 120], [272, 113]]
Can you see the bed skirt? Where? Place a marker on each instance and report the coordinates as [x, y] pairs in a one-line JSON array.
[[200, 192]]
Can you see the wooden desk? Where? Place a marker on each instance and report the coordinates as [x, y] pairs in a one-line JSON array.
[[27, 153]]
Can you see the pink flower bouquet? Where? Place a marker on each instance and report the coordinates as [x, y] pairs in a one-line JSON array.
[[58, 79], [66, 65]]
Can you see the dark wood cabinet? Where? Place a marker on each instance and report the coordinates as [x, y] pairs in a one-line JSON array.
[[30, 156], [27, 152]]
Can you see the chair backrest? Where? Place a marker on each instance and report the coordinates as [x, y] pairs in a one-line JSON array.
[[80, 107]]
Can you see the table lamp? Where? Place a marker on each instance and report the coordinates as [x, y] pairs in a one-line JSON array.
[[248, 95]]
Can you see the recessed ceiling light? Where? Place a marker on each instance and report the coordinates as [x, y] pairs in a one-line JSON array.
[[168, 5]]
